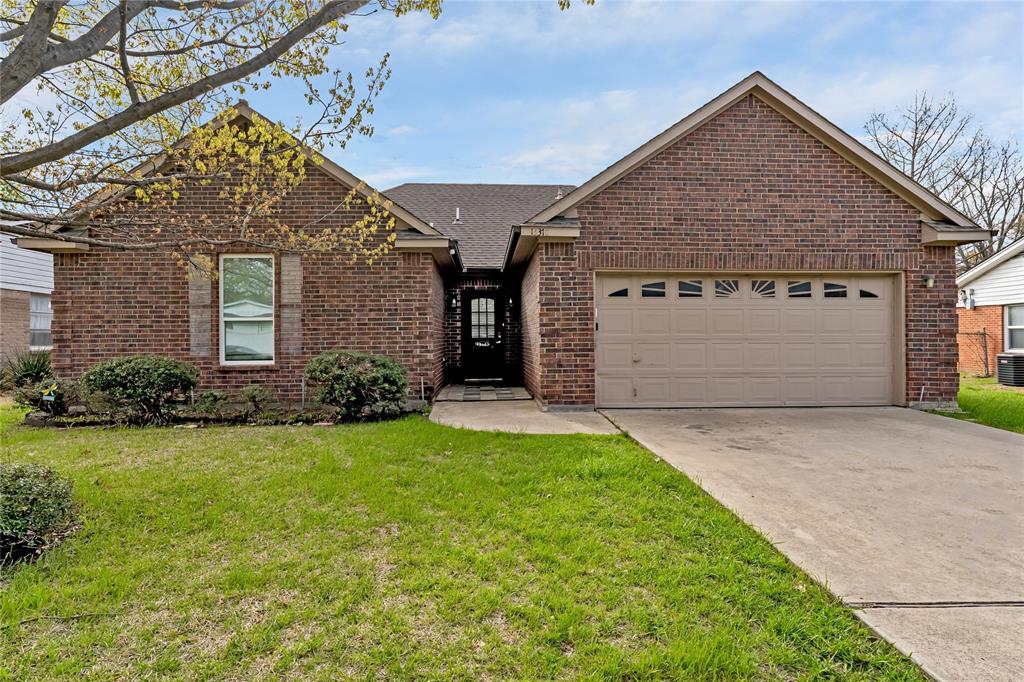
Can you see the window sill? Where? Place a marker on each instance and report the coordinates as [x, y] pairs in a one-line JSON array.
[[247, 365]]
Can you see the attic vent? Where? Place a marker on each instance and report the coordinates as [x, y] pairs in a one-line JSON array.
[[457, 218], [560, 194]]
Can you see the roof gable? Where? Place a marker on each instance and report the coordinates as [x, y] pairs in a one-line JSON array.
[[487, 213], [346, 178], [764, 89], [327, 166]]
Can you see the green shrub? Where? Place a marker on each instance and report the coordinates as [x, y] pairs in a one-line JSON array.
[[51, 396], [143, 387], [256, 397], [360, 386], [211, 402], [36, 509], [25, 369]]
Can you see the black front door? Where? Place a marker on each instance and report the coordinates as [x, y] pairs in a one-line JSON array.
[[483, 350]]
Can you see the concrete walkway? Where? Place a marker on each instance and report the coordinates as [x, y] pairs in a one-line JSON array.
[[882, 505], [518, 416]]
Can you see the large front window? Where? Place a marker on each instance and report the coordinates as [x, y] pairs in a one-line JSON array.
[[1015, 328], [247, 309]]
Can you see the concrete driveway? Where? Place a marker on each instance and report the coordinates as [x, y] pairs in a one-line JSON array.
[[914, 519]]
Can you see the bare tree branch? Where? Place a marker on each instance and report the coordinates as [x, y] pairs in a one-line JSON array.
[[22, 64], [17, 163], [938, 146], [107, 180]]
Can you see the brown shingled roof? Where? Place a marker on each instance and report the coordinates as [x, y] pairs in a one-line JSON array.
[[486, 213]]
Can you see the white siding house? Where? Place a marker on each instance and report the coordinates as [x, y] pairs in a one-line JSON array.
[[26, 282], [23, 270], [992, 295], [997, 281]]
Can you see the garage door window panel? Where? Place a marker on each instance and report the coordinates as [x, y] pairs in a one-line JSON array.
[[691, 288], [615, 287], [799, 288], [835, 290], [762, 288], [652, 290], [727, 288]]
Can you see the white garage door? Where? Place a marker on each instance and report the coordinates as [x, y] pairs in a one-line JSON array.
[[721, 340]]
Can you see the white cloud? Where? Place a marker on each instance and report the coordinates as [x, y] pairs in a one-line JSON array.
[[404, 129], [848, 98], [541, 27], [624, 71], [997, 31], [396, 175], [581, 136], [563, 159]]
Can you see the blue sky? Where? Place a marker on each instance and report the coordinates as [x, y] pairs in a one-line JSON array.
[[521, 92]]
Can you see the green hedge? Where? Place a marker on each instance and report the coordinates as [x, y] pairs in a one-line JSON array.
[[36, 509], [142, 387], [358, 385]]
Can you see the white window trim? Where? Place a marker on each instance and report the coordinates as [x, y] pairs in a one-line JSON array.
[[271, 319], [49, 298], [1007, 328]]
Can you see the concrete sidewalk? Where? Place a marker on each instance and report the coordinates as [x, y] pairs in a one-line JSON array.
[[881, 505], [518, 416]]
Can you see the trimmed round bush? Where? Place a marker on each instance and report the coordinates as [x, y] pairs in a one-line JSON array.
[[144, 387], [358, 385], [36, 509]]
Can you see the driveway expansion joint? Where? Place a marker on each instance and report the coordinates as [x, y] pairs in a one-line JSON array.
[[932, 604]]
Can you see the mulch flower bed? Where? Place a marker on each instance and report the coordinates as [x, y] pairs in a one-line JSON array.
[[76, 418]]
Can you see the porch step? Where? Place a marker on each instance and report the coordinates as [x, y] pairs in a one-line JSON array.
[[464, 393]]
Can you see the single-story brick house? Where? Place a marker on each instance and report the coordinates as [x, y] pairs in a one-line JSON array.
[[751, 254], [990, 310]]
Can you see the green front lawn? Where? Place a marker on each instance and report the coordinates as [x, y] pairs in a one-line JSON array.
[[406, 550], [986, 402]]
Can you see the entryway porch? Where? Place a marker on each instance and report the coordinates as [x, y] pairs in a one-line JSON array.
[[464, 393]]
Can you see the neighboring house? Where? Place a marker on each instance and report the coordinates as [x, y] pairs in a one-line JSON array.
[[751, 254], [990, 310], [26, 282]]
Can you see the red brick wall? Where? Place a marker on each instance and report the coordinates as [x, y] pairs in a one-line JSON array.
[[437, 303], [14, 322], [987, 318], [530, 323], [113, 303], [747, 191]]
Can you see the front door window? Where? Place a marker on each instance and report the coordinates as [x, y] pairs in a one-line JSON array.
[[481, 321]]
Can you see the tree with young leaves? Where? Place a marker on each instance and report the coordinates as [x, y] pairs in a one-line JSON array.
[[938, 145], [104, 101]]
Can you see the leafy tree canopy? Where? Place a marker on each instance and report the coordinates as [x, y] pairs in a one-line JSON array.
[[104, 101]]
